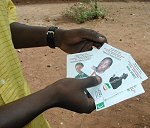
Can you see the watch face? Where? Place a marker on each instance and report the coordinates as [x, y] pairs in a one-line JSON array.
[[50, 32], [50, 37]]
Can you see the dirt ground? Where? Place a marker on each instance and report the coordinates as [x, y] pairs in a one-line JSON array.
[[127, 26]]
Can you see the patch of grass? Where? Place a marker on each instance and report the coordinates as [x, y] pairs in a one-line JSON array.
[[81, 12]]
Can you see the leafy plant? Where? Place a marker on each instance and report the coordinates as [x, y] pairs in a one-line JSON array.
[[88, 10]]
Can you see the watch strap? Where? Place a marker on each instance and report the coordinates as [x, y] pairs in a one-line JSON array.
[[50, 36]]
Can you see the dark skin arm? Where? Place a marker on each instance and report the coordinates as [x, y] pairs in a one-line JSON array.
[[70, 41], [19, 113], [25, 36], [65, 93]]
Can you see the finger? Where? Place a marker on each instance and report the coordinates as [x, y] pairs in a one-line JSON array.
[[104, 38], [80, 103], [97, 45], [87, 104], [91, 104], [90, 82], [87, 46], [87, 93], [92, 35], [99, 79]]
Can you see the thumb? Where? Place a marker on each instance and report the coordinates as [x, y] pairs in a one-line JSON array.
[[90, 82], [90, 106], [93, 36]]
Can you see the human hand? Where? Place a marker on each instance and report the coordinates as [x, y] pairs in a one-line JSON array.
[[70, 94], [78, 40]]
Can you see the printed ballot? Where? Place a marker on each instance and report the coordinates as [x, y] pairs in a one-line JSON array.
[[120, 74]]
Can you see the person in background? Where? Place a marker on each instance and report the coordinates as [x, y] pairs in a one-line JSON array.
[[18, 106]]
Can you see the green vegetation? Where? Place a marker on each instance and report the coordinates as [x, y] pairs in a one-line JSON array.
[[87, 10]]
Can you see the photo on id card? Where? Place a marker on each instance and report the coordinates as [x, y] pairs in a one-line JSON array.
[[76, 62]]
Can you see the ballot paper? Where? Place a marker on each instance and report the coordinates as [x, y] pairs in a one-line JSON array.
[[120, 74]]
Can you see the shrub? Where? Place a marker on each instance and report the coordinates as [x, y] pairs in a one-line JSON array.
[[81, 12]]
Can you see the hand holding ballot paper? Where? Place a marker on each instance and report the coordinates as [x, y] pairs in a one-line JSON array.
[[120, 75]]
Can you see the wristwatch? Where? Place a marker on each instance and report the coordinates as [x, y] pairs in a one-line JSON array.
[[50, 36]]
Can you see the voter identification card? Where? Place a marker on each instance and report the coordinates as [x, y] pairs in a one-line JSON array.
[[121, 75], [116, 71]]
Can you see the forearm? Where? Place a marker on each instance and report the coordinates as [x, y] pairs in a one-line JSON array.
[[25, 36], [19, 113]]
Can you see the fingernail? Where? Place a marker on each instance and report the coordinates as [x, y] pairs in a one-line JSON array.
[[102, 38], [99, 79], [93, 47]]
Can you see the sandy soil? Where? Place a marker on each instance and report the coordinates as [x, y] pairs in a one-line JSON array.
[[127, 27]]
